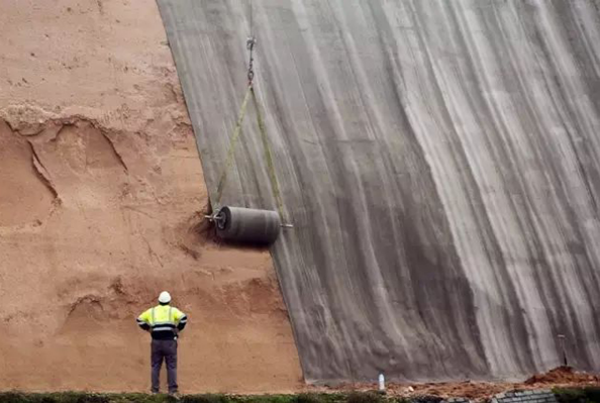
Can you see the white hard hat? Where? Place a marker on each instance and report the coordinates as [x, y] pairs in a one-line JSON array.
[[164, 297]]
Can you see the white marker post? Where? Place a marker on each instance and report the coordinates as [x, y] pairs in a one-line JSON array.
[[381, 384]]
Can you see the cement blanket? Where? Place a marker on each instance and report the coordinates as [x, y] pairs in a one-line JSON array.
[[440, 163]]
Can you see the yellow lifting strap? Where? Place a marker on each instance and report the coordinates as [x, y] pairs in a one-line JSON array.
[[266, 146], [231, 151], [268, 156]]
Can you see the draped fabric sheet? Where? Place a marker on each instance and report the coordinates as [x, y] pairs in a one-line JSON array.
[[439, 161]]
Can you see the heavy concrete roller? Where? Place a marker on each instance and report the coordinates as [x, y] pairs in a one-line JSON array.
[[247, 225]]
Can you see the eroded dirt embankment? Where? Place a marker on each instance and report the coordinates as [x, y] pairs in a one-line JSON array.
[[90, 232], [100, 192]]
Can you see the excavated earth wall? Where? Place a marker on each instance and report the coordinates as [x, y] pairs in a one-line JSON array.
[[101, 198]]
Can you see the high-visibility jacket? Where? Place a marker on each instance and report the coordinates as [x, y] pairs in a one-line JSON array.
[[163, 322]]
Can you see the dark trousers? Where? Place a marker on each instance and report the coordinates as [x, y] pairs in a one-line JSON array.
[[167, 350]]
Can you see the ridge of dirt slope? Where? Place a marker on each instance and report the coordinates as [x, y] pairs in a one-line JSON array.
[[101, 192]]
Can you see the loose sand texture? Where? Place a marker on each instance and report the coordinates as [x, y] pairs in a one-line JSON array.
[[101, 195]]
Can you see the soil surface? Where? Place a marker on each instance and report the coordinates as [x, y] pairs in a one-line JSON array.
[[558, 377], [101, 199]]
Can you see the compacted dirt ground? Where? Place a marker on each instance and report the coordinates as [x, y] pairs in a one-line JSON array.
[[565, 377], [101, 194]]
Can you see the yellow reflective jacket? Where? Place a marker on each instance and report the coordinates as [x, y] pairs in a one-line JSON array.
[[163, 322]]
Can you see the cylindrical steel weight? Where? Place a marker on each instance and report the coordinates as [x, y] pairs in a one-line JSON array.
[[248, 225]]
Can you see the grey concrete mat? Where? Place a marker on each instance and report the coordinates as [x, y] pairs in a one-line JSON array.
[[440, 163]]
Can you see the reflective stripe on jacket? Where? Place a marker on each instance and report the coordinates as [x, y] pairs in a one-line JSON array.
[[163, 321]]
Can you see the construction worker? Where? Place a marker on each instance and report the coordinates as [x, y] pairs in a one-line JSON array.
[[164, 322]]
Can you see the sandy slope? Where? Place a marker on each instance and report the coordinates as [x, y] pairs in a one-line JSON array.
[[100, 189]]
